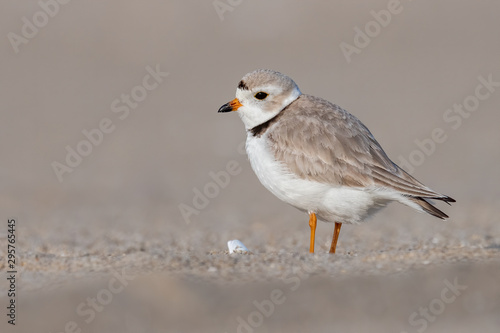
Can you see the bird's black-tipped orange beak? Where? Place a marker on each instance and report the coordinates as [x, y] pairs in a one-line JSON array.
[[231, 106]]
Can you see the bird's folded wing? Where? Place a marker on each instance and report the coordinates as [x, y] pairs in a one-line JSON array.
[[319, 141]]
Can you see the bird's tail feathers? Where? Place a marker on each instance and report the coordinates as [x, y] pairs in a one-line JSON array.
[[426, 206]]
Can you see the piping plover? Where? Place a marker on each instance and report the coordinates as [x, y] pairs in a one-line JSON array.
[[318, 157]]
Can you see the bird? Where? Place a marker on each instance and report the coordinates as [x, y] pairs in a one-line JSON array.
[[319, 158]]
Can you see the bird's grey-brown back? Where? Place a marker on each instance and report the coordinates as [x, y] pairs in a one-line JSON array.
[[319, 141]]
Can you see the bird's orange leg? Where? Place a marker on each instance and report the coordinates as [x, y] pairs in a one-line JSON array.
[[336, 233], [312, 224]]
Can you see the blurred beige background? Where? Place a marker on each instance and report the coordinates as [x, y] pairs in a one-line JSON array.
[[123, 200]]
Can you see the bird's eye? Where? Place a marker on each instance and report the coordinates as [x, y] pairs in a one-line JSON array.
[[261, 95]]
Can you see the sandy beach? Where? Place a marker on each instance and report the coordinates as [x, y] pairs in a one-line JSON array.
[[125, 184]]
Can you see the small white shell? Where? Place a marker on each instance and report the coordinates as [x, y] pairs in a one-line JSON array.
[[235, 246]]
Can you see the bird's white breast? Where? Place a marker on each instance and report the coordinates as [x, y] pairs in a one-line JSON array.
[[331, 203]]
